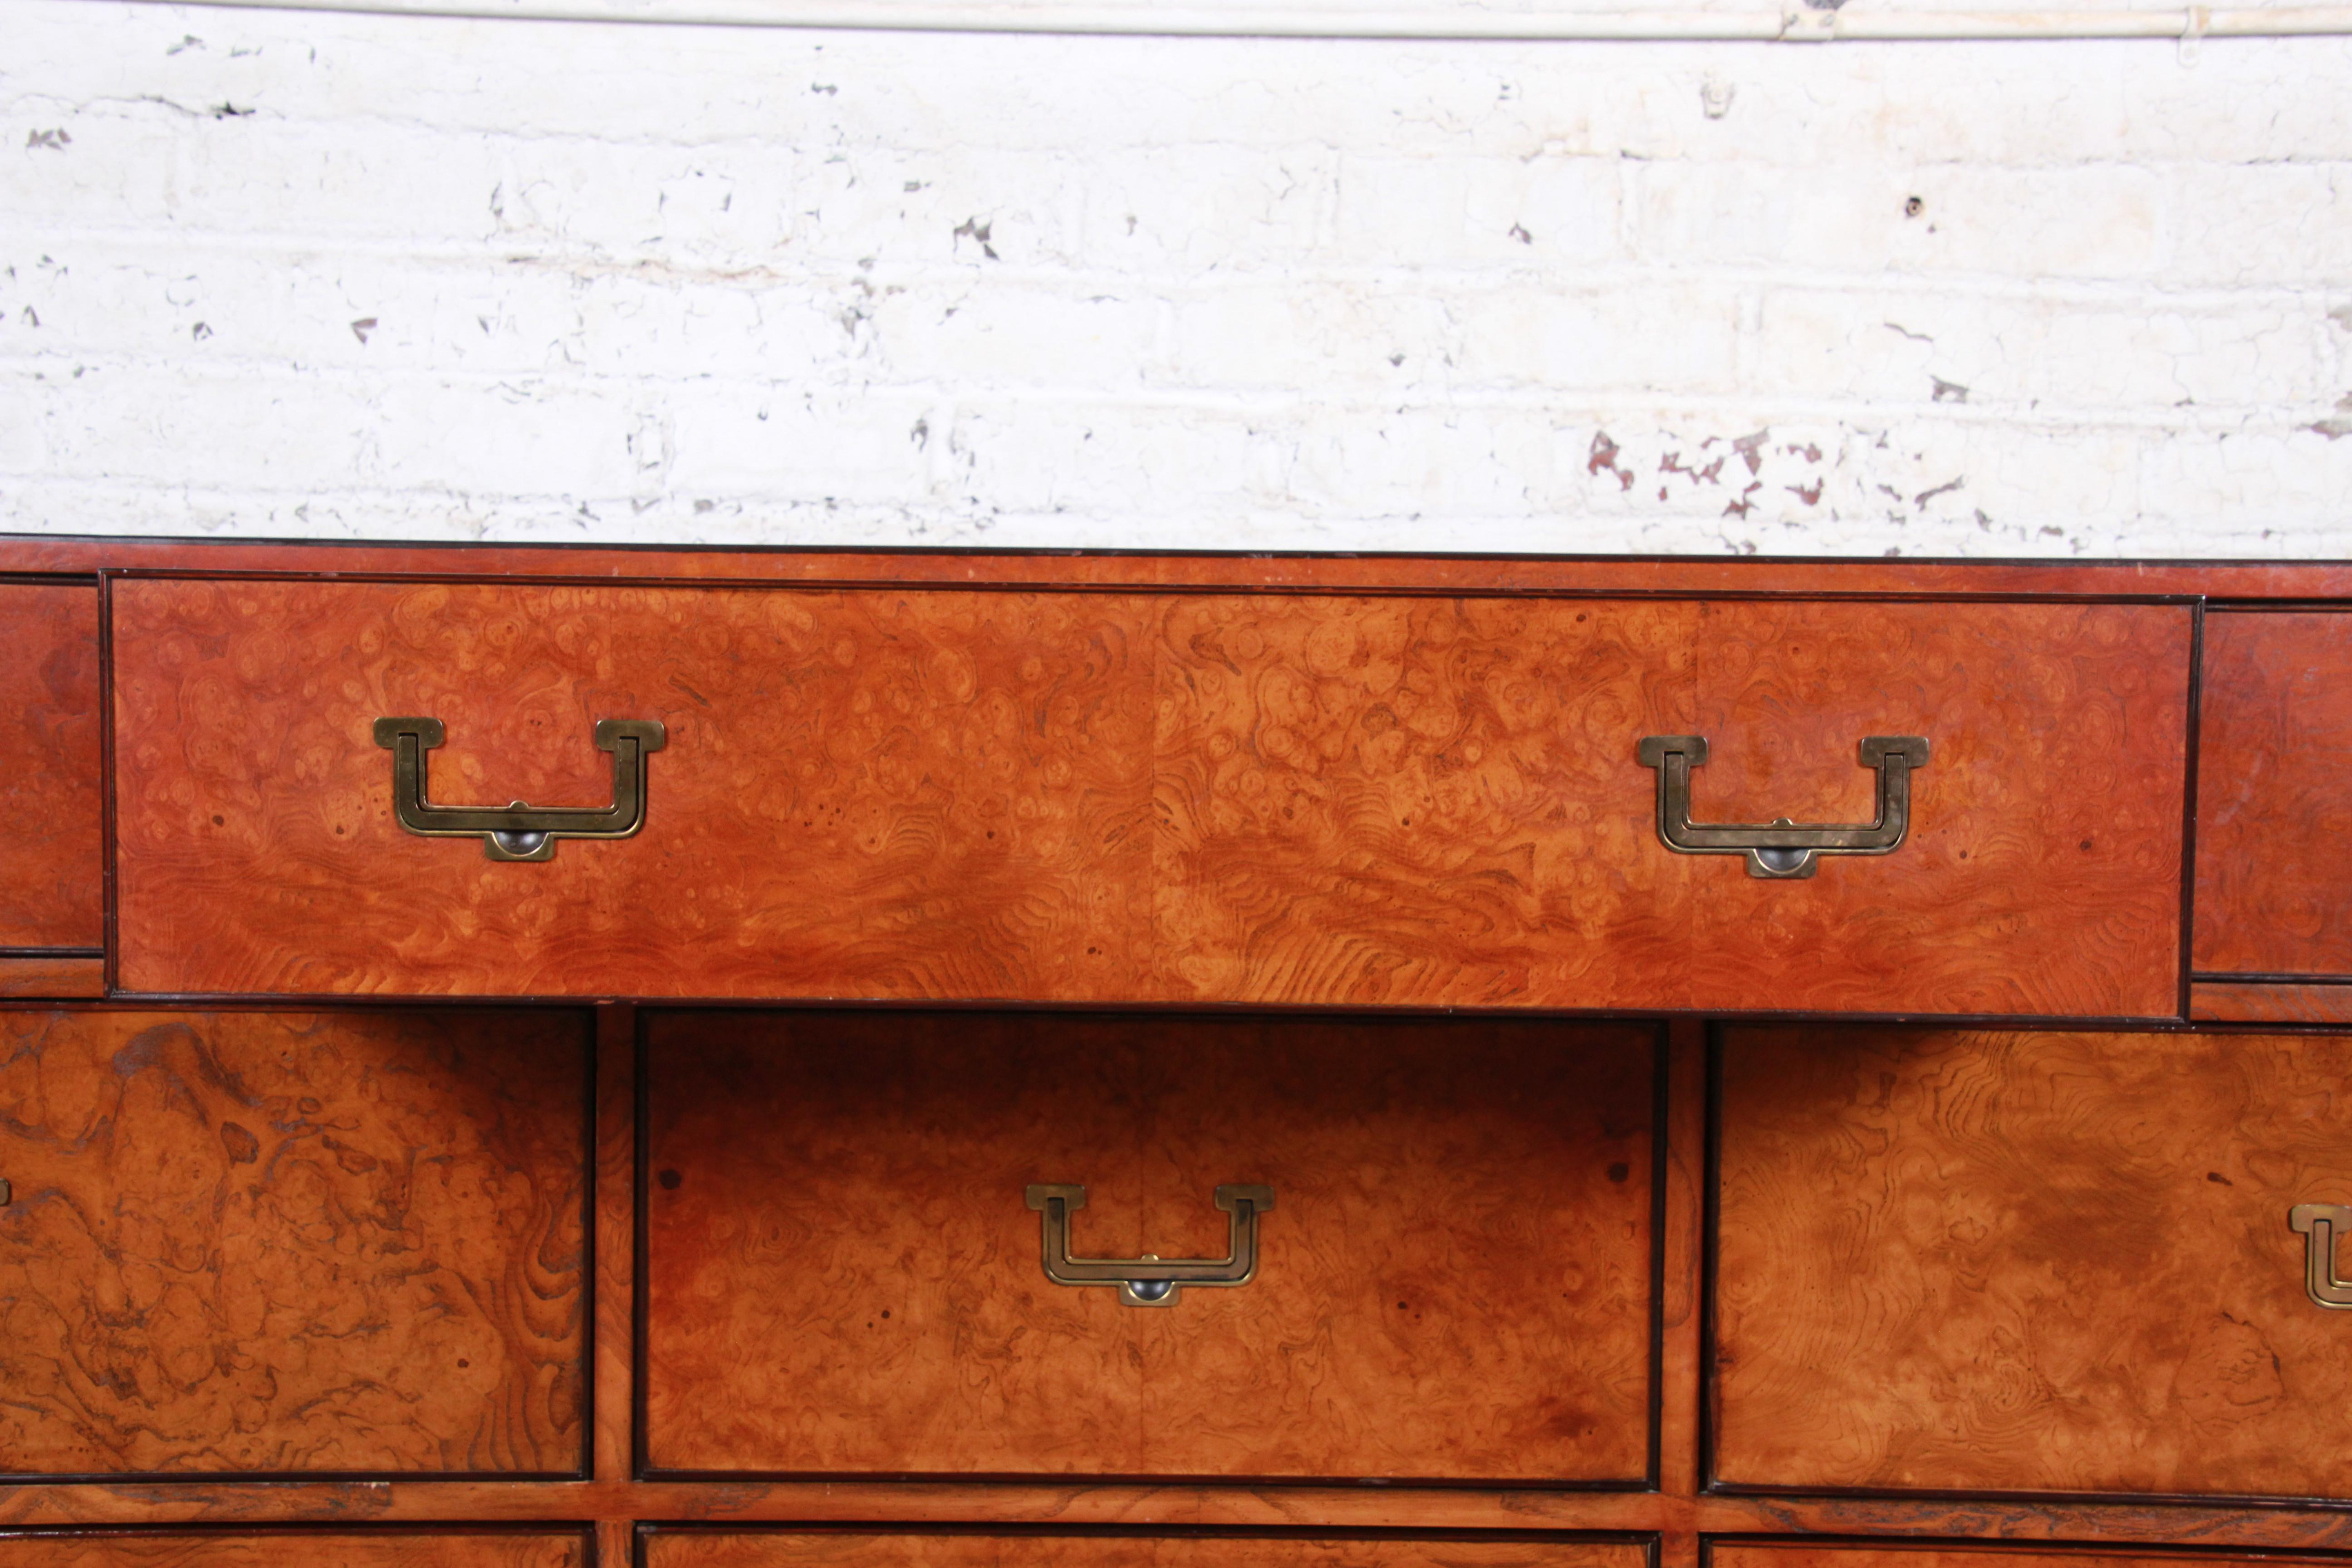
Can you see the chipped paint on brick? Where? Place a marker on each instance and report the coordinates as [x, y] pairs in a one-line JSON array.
[[294, 277]]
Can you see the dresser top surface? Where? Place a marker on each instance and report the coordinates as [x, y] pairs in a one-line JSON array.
[[1472, 574]]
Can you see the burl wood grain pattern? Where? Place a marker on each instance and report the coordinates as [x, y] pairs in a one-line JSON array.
[[2030, 1262], [50, 851], [2270, 1002], [295, 1548], [863, 1549], [842, 1276], [1436, 801], [51, 974], [1080, 797], [284, 1242], [871, 794], [2275, 795], [1773, 1554]]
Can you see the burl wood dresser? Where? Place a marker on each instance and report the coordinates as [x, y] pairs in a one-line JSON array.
[[1215, 1062]]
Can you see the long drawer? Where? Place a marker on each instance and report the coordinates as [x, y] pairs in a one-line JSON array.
[[1160, 799], [277, 1243], [737, 1547], [2087, 1263], [867, 1234]]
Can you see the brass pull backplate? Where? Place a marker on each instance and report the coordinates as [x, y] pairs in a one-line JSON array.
[[1149, 1282], [520, 832], [2321, 1223], [1783, 851]]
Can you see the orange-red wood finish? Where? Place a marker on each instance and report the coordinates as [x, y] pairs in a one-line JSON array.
[[880, 794], [1682, 1336], [1252, 572], [296, 1243], [938, 795], [615, 1230], [1241, 770], [1437, 801], [2270, 1002], [52, 975], [51, 844], [885, 1549], [1455, 1283], [294, 1549], [1859, 1555], [1966, 1262], [1208, 1504], [2275, 795]]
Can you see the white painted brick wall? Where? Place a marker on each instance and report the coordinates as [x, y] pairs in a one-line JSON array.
[[282, 274]]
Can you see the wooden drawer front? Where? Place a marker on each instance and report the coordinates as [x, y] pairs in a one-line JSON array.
[[843, 1275], [2274, 805], [1760, 1555], [2029, 1263], [300, 1548], [736, 1548], [51, 842], [1439, 800], [1118, 797], [262, 1243], [862, 795]]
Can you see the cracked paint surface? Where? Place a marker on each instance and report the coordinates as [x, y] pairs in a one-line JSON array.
[[342, 275]]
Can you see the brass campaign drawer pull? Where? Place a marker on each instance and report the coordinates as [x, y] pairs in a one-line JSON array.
[[520, 832], [2321, 1223], [1149, 1282], [1782, 850]]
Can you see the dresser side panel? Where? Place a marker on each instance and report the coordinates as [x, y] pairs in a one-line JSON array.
[[291, 1244], [2275, 795], [51, 838]]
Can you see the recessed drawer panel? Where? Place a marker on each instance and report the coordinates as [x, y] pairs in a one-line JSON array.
[[296, 1548], [1960, 1262], [850, 1221], [1083, 798], [286, 1243], [673, 1547], [51, 841], [2275, 809]]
